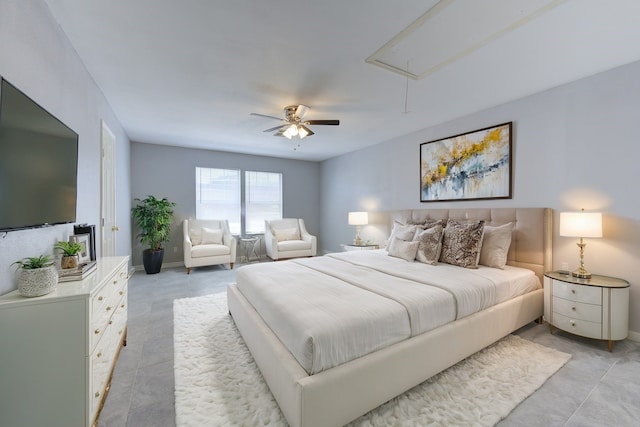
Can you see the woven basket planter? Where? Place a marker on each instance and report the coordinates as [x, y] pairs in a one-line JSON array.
[[38, 281]]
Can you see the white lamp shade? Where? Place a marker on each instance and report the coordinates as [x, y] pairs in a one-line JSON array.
[[581, 224], [358, 218]]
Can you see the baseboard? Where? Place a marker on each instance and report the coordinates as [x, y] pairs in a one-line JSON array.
[[634, 336], [164, 265]]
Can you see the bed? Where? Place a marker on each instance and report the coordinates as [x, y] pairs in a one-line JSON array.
[[312, 390]]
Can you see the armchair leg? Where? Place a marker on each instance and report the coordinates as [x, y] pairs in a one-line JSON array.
[[188, 270], [230, 266]]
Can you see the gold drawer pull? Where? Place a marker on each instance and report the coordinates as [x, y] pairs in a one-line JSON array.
[[99, 354], [122, 306], [573, 291], [108, 308], [100, 298], [97, 331], [110, 322], [121, 292], [573, 308], [573, 323], [115, 282], [97, 394]]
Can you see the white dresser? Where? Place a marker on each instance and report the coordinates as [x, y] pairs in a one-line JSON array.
[[593, 308], [58, 351]]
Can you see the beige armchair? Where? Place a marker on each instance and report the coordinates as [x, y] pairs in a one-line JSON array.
[[208, 242], [288, 238]]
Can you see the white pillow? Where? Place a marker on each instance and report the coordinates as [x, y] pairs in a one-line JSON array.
[[211, 236], [195, 234], [495, 245], [402, 232], [402, 249], [283, 234]]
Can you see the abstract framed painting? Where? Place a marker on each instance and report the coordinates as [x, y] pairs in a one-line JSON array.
[[469, 166]]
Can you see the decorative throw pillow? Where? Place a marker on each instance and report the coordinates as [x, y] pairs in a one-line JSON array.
[[283, 234], [428, 223], [402, 249], [195, 234], [402, 232], [430, 244], [495, 245], [461, 243], [211, 236]]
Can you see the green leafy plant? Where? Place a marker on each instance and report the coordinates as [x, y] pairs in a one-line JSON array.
[[68, 248], [32, 263], [154, 217]]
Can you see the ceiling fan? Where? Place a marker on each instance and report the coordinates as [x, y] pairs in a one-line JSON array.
[[293, 123]]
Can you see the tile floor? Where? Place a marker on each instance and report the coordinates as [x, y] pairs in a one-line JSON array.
[[595, 388]]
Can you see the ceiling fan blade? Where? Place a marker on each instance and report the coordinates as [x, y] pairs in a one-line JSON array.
[[275, 128], [322, 122], [279, 133], [301, 111], [268, 117]]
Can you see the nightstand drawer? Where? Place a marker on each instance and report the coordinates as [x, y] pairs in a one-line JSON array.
[[579, 327], [579, 293], [577, 310]]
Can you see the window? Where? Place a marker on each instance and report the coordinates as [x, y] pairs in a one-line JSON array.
[[218, 196], [262, 199]]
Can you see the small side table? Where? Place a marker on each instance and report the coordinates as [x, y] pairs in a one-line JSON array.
[[352, 247], [249, 247], [594, 308]]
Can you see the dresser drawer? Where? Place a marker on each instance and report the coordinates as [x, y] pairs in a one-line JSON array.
[[578, 293], [577, 310], [579, 327]]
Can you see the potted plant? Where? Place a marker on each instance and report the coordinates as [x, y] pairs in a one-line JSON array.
[[70, 251], [154, 217], [37, 276]]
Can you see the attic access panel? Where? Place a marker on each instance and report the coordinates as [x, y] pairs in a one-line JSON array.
[[452, 29]]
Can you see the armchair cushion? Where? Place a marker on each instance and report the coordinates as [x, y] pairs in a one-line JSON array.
[[284, 234], [200, 251], [210, 235]]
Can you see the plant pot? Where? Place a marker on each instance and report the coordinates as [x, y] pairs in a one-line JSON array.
[[152, 260], [38, 281], [69, 262]]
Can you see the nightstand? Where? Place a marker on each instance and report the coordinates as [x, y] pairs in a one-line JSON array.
[[594, 308], [351, 247]]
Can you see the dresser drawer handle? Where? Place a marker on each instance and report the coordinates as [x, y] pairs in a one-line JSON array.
[[99, 354], [97, 331], [115, 282], [573, 291], [110, 322], [100, 298], [97, 394], [573, 308], [108, 308], [573, 323], [122, 306], [121, 292]]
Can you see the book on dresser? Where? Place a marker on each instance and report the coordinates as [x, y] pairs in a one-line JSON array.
[[78, 273]]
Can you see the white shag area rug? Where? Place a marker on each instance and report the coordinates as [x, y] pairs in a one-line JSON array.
[[217, 383]]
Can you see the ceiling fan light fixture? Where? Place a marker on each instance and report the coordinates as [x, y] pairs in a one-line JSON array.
[[302, 132], [291, 131]]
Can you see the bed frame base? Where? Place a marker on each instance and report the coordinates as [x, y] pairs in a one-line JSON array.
[[342, 394]]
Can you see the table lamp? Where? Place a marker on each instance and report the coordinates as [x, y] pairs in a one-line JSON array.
[[581, 224], [358, 219]]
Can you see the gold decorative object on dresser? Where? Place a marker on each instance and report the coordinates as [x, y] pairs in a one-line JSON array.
[[594, 308], [58, 351]]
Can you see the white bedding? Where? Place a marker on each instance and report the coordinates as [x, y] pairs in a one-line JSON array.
[[332, 309]]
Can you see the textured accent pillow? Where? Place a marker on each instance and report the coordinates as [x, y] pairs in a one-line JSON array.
[[495, 245], [195, 234], [402, 232], [283, 234], [428, 223], [430, 244], [211, 236], [402, 249], [461, 243]]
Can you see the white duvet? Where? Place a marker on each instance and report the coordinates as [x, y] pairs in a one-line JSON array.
[[332, 309]]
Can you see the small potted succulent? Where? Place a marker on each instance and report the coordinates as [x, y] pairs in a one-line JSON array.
[[70, 251], [37, 276]]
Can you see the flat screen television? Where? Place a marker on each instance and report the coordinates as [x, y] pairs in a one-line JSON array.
[[38, 164]]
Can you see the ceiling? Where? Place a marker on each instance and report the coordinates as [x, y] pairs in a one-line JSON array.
[[189, 73]]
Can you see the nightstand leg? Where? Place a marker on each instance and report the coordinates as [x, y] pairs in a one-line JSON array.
[[611, 346]]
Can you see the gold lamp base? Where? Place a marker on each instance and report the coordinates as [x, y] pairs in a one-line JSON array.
[[581, 273]]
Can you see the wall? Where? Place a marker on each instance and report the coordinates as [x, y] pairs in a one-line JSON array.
[[36, 57], [575, 146], [165, 171]]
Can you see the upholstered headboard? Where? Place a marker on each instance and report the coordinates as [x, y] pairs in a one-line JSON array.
[[531, 240]]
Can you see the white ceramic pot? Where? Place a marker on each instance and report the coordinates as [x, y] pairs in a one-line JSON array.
[[37, 282]]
